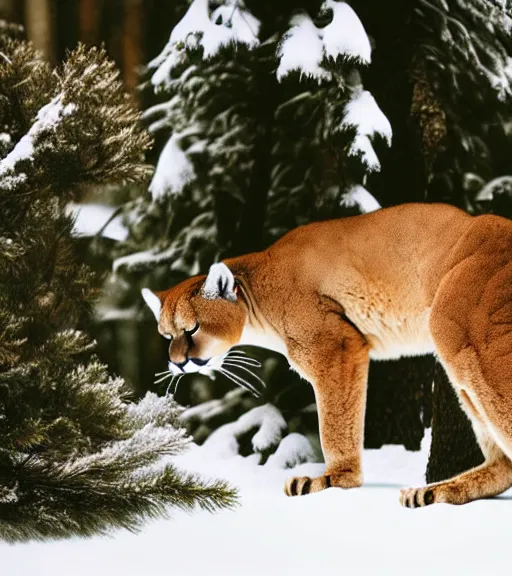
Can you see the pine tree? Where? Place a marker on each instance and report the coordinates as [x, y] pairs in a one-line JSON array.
[[76, 456]]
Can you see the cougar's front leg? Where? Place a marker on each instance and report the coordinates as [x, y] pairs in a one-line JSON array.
[[335, 360]]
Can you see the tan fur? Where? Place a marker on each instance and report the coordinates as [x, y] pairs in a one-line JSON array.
[[407, 280]]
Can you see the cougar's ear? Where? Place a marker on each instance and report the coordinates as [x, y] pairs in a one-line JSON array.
[[220, 283], [153, 301]]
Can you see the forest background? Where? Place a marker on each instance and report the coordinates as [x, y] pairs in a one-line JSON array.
[[451, 142]]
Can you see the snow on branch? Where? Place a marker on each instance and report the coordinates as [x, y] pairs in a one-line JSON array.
[[345, 35], [496, 187], [293, 450], [266, 418], [364, 114], [143, 260], [492, 61], [228, 24], [174, 169], [304, 47], [47, 119], [360, 197]]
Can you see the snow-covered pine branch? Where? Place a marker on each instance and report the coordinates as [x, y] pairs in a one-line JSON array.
[[305, 47], [267, 419], [294, 449], [47, 119], [358, 196], [491, 60], [502, 185], [173, 171], [363, 113], [229, 23]]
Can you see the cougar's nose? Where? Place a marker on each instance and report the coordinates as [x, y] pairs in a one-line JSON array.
[[181, 365]]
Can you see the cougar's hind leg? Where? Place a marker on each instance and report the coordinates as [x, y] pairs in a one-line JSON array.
[[471, 325], [489, 479]]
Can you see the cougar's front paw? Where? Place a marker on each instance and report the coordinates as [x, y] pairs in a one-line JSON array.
[[417, 497], [298, 486], [302, 485]]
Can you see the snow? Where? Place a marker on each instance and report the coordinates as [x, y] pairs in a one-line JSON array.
[[305, 46], [345, 35], [364, 113], [502, 80], [228, 24], [359, 196], [173, 171], [361, 531], [302, 49], [90, 219], [267, 418], [47, 117], [244, 27], [170, 58], [212, 408], [499, 185], [294, 449], [140, 260]]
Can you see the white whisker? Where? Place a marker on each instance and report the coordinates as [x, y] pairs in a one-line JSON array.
[[163, 378], [237, 352], [240, 381], [246, 370], [240, 355], [170, 384], [247, 361], [180, 376], [161, 373]]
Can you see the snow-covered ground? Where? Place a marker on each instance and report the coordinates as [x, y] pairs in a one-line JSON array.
[[354, 532]]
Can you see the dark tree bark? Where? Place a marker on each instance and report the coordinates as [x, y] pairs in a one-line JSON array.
[[454, 448], [398, 402]]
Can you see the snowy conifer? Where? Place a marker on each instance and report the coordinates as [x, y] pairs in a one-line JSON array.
[[234, 117], [463, 94], [76, 457]]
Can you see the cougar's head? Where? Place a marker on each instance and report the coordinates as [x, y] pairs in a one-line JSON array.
[[202, 317]]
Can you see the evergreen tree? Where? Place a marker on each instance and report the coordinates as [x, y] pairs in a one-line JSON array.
[[76, 457]]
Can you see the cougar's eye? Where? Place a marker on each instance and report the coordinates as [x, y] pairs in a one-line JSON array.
[[190, 333]]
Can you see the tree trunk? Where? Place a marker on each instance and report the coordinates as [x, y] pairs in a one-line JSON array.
[[89, 16], [39, 26], [8, 10], [132, 42], [454, 448], [250, 233], [399, 400]]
